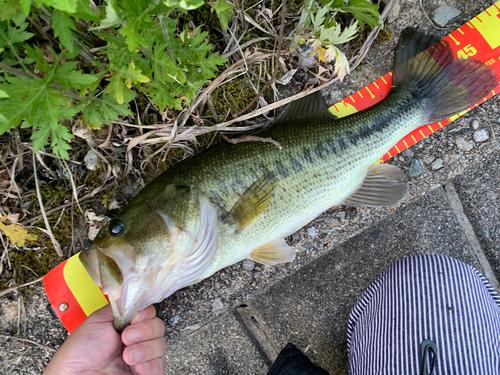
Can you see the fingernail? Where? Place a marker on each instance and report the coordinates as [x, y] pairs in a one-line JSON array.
[[133, 335], [135, 354]]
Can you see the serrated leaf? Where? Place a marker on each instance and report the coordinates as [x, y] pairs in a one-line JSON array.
[[67, 76], [17, 234], [40, 137], [112, 17], [125, 77], [341, 64], [335, 35], [364, 11], [63, 24], [101, 110]]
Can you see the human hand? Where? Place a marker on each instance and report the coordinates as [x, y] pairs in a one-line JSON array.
[[95, 348]]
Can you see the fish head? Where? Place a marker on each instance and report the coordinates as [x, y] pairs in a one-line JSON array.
[[150, 250]]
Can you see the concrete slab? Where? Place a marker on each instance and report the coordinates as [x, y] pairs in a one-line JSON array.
[[479, 191], [221, 347], [311, 307]]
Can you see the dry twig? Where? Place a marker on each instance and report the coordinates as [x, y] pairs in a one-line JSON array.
[[14, 288], [57, 247], [17, 338]]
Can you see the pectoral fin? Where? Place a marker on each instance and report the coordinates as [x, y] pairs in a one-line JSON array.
[[252, 203], [382, 187], [272, 253]]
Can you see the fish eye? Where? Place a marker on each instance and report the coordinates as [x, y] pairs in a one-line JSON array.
[[116, 227]]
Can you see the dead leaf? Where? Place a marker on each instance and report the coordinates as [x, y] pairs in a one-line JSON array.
[[16, 233]]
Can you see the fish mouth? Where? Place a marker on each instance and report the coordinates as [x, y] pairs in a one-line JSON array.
[[127, 301]]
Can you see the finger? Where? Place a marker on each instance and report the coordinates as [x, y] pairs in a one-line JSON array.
[[104, 314], [154, 367], [143, 331], [144, 351], [147, 313]]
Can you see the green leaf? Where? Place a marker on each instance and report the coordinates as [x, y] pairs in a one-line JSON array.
[[112, 17], [26, 5], [10, 9], [13, 35], [165, 95], [224, 10], [125, 77], [3, 94], [335, 35], [67, 76], [63, 24], [40, 137], [101, 110], [364, 11], [65, 5], [184, 5]]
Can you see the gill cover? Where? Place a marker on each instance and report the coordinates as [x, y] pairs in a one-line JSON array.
[[163, 245]]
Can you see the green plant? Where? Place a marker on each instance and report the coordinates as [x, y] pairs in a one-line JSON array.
[[319, 27], [64, 60]]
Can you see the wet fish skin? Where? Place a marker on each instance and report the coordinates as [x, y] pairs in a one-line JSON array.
[[235, 202]]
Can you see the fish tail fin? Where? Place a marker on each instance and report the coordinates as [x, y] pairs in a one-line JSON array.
[[431, 71]]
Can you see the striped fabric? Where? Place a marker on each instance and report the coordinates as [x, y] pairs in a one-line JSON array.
[[426, 297]]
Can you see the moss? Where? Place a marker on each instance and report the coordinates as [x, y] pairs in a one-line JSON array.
[[385, 34], [233, 96], [23, 261]]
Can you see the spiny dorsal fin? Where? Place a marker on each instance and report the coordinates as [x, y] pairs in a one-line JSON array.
[[311, 106], [252, 203], [272, 253], [383, 186]]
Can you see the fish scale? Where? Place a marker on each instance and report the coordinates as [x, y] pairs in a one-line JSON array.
[[239, 201]]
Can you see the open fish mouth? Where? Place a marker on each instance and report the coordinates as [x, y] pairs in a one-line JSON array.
[[127, 301]]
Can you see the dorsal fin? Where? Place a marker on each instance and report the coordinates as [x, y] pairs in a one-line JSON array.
[[309, 107], [252, 203]]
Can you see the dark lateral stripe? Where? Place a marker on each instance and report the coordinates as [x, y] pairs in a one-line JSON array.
[[426, 297]]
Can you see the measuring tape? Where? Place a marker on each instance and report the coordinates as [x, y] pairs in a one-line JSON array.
[[73, 295], [478, 38]]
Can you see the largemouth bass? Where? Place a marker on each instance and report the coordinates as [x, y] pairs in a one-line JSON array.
[[240, 201]]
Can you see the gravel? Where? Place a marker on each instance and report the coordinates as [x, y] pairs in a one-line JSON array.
[[481, 135], [415, 168]]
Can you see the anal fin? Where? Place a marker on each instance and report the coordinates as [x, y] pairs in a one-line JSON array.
[[383, 186], [272, 253]]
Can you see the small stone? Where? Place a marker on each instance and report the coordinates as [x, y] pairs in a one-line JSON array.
[[248, 265], [429, 159], [445, 14], [296, 236], [481, 135], [217, 305], [438, 164], [475, 124], [174, 320], [312, 231], [308, 245], [463, 145], [415, 168], [341, 215], [333, 222], [91, 160], [401, 158], [351, 212], [376, 234], [407, 153], [401, 226]]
